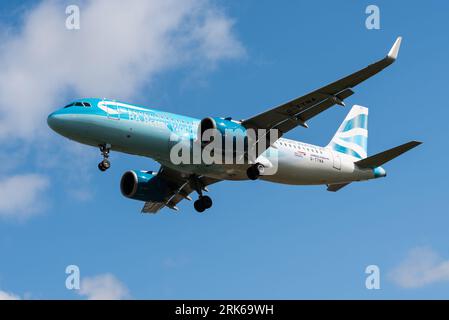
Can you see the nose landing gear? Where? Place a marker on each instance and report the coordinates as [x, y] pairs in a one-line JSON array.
[[105, 164]]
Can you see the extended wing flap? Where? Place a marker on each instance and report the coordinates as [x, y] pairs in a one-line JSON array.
[[326, 104], [152, 207], [180, 186]]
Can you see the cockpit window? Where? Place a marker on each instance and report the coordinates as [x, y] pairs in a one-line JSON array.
[[78, 104]]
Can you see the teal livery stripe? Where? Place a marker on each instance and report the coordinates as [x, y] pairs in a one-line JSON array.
[[345, 150], [359, 140], [360, 121]]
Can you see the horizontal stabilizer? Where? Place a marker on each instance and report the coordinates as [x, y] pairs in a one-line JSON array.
[[379, 159], [336, 187]]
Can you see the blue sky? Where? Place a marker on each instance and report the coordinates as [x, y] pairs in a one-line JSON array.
[[260, 240]]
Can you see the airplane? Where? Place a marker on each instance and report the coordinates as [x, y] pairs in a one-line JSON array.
[[117, 126]]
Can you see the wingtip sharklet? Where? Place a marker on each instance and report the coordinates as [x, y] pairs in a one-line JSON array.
[[394, 51]]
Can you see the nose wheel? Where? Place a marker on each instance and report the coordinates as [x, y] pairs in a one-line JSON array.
[[105, 164]]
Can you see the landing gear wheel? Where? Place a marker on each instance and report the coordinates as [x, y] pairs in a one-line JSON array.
[[203, 203], [105, 164], [198, 205], [207, 202], [255, 171]]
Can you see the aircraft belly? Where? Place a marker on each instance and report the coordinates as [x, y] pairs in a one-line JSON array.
[[310, 170], [217, 171], [299, 173]]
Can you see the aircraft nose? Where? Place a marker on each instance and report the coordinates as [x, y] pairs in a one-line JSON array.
[[56, 121]]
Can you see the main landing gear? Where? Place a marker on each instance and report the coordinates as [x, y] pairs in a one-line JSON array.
[[105, 164], [204, 202], [255, 171]]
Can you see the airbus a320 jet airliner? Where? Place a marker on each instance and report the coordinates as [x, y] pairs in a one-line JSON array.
[[112, 125]]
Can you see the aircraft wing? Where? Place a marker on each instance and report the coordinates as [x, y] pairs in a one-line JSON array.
[[296, 112], [180, 187]]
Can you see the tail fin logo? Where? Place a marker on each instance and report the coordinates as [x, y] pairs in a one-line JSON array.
[[351, 137]]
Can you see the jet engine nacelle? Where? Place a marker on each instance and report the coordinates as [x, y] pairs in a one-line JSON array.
[[143, 186], [226, 129]]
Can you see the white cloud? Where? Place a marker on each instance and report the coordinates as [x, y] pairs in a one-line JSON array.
[[119, 49], [22, 195], [8, 296], [422, 266], [103, 287]]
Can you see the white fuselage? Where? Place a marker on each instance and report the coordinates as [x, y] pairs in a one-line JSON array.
[[298, 163]]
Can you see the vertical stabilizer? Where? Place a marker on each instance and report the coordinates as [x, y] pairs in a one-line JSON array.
[[351, 137]]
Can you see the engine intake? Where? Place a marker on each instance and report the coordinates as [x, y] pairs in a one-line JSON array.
[[143, 186], [227, 129]]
